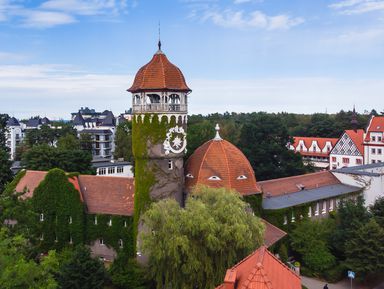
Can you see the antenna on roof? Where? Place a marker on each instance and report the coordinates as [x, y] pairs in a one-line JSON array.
[[159, 43]]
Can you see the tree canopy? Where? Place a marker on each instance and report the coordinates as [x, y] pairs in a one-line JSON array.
[[192, 247], [123, 141]]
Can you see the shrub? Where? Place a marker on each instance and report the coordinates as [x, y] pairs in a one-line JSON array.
[[283, 253], [335, 274]]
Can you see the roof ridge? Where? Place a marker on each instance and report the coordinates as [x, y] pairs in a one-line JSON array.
[[285, 266], [162, 68], [225, 156], [206, 151], [298, 176]]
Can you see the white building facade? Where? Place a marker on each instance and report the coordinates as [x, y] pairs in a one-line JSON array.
[[374, 141]]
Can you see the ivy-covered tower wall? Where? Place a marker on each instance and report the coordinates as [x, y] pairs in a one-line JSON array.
[[159, 132]]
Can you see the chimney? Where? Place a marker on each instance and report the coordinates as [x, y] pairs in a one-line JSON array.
[[230, 279]]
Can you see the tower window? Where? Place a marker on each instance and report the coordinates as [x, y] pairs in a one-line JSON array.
[[189, 176], [170, 165]]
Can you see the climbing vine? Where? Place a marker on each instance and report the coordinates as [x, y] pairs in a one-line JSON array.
[[255, 201], [60, 211], [10, 187]]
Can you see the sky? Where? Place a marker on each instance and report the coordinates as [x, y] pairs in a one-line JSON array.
[[236, 55]]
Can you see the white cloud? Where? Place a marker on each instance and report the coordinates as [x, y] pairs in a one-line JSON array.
[[255, 19], [45, 19], [350, 7]]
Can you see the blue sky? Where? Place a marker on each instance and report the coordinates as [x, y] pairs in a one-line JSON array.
[[237, 55]]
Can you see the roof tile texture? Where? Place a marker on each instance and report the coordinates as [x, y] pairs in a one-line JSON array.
[[375, 125], [357, 136], [272, 234], [278, 187], [222, 159], [159, 74]]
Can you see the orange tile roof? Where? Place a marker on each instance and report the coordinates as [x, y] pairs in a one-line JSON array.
[[222, 159], [261, 270], [159, 74], [277, 187], [272, 234], [376, 124], [357, 136], [108, 195], [321, 141]]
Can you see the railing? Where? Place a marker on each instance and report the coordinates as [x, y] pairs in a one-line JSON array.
[[160, 107]]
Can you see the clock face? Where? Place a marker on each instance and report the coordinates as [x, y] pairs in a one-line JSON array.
[[175, 141]]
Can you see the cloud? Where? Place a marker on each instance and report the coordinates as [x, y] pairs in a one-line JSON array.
[[256, 19], [45, 19], [11, 57], [351, 7]]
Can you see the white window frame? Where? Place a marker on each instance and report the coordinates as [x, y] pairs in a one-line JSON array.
[[331, 205], [70, 220], [101, 241], [95, 220], [214, 178], [324, 209], [310, 211], [170, 165], [120, 170], [125, 224], [41, 217], [121, 244], [110, 222], [317, 209], [285, 220], [293, 217]]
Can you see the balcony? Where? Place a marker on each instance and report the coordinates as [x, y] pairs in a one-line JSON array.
[[160, 107]]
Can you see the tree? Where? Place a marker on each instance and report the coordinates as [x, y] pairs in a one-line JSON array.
[[365, 250], [5, 169], [192, 247], [3, 129], [123, 141], [81, 271], [16, 271], [44, 157], [68, 142], [351, 215], [377, 210], [264, 140], [86, 142], [310, 240]]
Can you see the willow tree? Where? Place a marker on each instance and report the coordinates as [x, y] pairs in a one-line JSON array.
[[192, 247]]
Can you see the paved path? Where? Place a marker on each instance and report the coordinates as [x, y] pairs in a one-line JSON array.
[[312, 283]]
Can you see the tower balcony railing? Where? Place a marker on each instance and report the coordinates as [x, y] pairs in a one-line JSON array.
[[160, 107]]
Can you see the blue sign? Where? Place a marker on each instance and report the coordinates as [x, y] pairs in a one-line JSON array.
[[351, 274]]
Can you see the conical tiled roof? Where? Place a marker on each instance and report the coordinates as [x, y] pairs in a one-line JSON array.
[[218, 163], [159, 74]]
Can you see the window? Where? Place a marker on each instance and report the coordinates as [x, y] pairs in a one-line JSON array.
[[317, 209], [120, 243], [101, 241], [170, 165], [120, 170], [324, 210], [331, 205], [310, 211], [337, 203], [301, 147], [373, 150], [334, 159], [379, 138], [111, 170], [293, 217], [110, 222], [41, 217], [70, 220], [345, 160], [242, 177], [379, 151], [328, 148], [359, 161], [373, 138], [373, 161], [190, 176], [214, 178], [125, 224], [95, 220], [102, 171], [285, 220], [41, 237]]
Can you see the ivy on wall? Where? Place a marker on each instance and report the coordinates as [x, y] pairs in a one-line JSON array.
[[147, 131], [10, 187], [60, 211], [120, 228], [255, 201]]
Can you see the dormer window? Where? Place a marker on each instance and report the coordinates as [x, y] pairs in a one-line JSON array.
[[214, 178], [190, 176], [41, 217], [242, 177]]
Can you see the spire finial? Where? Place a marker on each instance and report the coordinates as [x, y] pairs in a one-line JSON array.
[[159, 43], [354, 121], [217, 128]]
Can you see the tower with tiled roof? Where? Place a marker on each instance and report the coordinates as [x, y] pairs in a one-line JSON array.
[[159, 106]]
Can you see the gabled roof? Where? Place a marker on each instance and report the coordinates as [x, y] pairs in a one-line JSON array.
[[277, 187], [108, 195], [376, 124], [78, 120], [159, 74], [45, 120], [34, 122], [261, 270], [109, 120], [272, 234], [321, 141], [13, 122], [357, 136]]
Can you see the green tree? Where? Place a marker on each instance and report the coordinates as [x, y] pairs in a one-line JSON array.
[[365, 250], [86, 142], [310, 240], [44, 157], [192, 247], [123, 141], [16, 271], [68, 142], [81, 271], [377, 210], [5, 169], [3, 129]]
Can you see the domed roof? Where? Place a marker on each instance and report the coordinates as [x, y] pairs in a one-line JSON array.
[[218, 163], [159, 74]]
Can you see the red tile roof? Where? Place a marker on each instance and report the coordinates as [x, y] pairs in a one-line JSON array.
[[376, 124], [272, 234], [221, 159], [108, 195], [277, 187], [159, 74], [321, 141], [261, 270], [357, 136]]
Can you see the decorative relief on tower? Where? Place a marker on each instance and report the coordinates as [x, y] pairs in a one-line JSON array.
[[176, 140]]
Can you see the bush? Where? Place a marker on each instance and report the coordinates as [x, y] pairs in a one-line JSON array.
[[335, 274], [283, 253]]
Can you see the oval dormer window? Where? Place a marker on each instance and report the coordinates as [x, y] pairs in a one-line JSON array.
[[214, 178], [189, 176], [242, 177]]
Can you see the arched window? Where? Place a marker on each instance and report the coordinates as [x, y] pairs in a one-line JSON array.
[[174, 99], [137, 99], [121, 243], [154, 98]]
